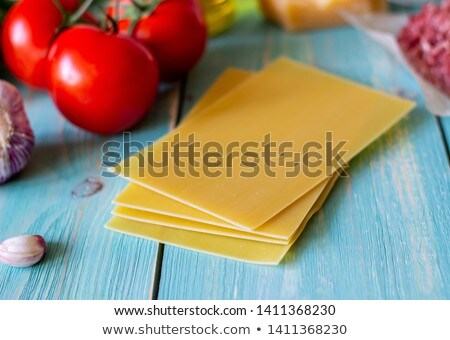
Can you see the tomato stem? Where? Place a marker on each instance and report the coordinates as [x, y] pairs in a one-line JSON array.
[[79, 12], [113, 22], [140, 7]]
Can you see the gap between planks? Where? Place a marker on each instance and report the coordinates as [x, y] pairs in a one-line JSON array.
[[445, 138], [154, 287]]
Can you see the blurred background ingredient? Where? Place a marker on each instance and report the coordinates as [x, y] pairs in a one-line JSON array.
[[219, 14], [295, 15], [425, 41]]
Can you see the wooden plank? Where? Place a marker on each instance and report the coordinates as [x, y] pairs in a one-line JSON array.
[[84, 261], [383, 233]]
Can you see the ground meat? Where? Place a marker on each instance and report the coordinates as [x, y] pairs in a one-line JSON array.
[[425, 41]]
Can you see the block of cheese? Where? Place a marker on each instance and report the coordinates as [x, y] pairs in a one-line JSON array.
[[294, 15], [229, 247], [292, 102]]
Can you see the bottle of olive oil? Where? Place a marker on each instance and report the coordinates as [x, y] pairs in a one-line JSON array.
[[219, 15]]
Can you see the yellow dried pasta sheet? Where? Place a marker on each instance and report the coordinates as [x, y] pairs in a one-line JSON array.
[[280, 229], [151, 207], [293, 103], [228, 80], [229, 247], [173, 222], [137, 197]]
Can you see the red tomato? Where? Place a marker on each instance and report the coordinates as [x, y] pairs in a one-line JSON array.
[[101, 82], [176, 34], [28, 29]]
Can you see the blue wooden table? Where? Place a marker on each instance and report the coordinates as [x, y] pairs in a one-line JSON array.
[[382, 234]]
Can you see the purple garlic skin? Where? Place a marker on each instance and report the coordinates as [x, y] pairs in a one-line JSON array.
[[16, 135], [22, 251]]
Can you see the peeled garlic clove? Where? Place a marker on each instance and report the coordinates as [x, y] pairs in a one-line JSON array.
[[16, 135], [22, 251]]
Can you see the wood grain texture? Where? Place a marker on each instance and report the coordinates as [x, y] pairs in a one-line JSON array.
[[84, 260], [382, 234]]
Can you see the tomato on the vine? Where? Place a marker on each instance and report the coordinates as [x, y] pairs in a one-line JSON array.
[[28, 30], [175, 32], [100, 81]]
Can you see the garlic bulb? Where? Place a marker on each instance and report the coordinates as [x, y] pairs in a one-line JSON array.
[[22, 251], [16, 136]]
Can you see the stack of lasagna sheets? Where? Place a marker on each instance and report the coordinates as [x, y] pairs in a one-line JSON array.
[[261, 161]]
